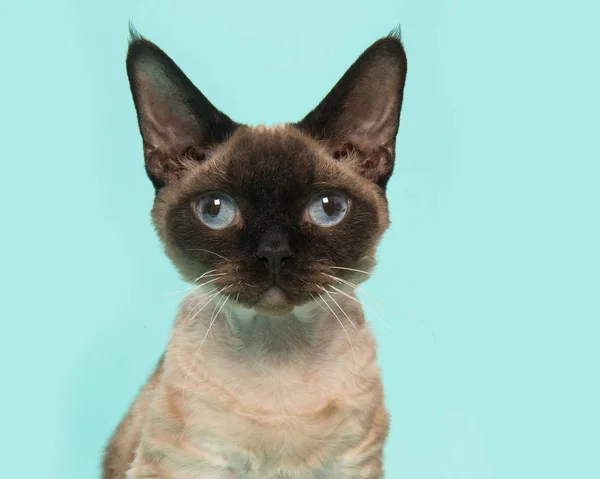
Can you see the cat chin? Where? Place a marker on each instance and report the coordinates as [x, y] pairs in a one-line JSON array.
[[273, 303], [274, 312]]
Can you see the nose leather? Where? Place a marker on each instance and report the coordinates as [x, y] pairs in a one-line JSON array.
[[274, 250]]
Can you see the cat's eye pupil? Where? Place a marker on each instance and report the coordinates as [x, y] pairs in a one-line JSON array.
[[213, 207], [328, 205]]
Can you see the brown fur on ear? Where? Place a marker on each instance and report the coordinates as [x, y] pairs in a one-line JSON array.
[[174, 117], [360, 116]]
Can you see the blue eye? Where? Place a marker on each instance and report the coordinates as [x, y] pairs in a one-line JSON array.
[[216, 210], [327, 209]]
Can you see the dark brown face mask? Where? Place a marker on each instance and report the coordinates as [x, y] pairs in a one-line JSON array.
[[267, 212]]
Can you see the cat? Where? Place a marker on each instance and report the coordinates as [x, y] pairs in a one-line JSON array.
[[270, 370]]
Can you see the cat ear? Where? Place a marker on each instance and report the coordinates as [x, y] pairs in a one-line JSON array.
[[358, 120], [174, 117]]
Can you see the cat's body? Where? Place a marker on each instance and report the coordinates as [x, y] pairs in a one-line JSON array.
[[305, 410], [270, 371]]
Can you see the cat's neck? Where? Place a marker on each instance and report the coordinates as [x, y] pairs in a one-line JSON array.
[[257, 333], [309, 330], [271, 364]]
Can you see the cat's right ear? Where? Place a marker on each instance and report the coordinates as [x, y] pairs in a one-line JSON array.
[[358, 120], [174, 117]]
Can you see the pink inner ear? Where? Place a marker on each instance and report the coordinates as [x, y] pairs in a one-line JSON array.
[[377, 163], [371, 115], [168, 126], [372, 164], [176, 120]]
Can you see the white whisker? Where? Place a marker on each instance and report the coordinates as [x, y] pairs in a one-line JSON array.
[[352, 269], [189, 320], [315, 299], [193, 291], [211, 252], [207, 282], [379, 302], [214, 317], [341, 324], [194, 287], [368, 273], [180, 299], [362, 304], [204, 274], [359, 288], [338, 305], [340, 280]]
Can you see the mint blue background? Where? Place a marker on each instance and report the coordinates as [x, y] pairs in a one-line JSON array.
[[492, 363]]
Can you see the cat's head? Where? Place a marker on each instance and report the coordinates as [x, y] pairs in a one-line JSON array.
[[270, 216]]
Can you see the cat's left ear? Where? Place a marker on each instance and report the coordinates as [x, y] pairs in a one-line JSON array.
[[358, 120], [174, 117]]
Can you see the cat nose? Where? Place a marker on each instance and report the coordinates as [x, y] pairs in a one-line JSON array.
[[274, 250]]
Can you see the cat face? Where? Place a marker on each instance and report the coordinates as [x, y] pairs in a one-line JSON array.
[[270, 216]]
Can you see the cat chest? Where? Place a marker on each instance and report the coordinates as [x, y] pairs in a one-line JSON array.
[[263, 445], [283, 426]]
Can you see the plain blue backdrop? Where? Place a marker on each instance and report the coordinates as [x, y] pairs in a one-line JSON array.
[[490, 269]]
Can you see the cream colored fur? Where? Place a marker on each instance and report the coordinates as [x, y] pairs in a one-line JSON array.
[[261, 397]]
